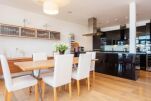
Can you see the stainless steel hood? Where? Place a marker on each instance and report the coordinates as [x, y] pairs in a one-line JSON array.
[[92, 27]]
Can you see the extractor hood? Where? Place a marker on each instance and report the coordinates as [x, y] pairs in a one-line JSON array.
[[92, 27]]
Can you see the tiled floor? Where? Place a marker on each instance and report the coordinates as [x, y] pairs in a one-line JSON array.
[[105, 88]]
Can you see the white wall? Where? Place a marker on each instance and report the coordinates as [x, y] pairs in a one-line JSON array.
[[13, 47]]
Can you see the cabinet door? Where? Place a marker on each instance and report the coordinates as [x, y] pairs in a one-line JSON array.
[[54, 35], [28, 32], [42, 34], [148, 28], [9, 30], [96, 42], [143, 61]]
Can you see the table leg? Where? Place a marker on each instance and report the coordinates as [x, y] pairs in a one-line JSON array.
[[37, 76]]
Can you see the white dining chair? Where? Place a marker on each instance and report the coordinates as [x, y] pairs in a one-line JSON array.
[[40, 56], [62, 74], [14, 84], [83, 70], [93, 55]]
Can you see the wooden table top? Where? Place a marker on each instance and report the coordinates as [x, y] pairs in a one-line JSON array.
[[31, 65]]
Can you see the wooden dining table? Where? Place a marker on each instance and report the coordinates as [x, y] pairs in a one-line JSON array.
[[37, 65]]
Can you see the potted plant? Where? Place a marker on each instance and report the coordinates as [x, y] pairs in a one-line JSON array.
[[61, 48]]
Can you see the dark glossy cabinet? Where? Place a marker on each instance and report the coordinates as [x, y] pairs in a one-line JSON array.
[[117, 64], [96, 42], [148, 30], [143, 61], [107, 63]]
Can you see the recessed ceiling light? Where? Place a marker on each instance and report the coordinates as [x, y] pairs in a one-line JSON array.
[[116, 19], [107, 22], [69, 12], [126, 17]]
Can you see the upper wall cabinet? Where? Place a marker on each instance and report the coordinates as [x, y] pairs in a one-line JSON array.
[[28, 32], [7, 30], [43, 34], [55, 35], [17, 31]]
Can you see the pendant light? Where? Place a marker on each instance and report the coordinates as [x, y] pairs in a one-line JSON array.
[[40, 2], [62, 3], [50, 7]]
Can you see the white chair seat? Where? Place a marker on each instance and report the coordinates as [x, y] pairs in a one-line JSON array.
[[23, 82], [46, 74], [49, 80], [91, 69], [83, 70], [62, 74], [74, 75], [16, 83]]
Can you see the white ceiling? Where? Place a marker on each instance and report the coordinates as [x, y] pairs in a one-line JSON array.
[[108, 12]]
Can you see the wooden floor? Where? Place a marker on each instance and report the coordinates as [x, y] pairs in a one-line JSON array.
[[105, 88]]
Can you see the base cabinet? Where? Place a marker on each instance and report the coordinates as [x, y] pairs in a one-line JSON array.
[[115, 64]]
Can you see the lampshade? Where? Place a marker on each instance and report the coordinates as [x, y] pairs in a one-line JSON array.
[[40, 2], [50, 7], [62, 3]]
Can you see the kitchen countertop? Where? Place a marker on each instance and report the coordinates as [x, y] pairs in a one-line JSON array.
[[121, 52]]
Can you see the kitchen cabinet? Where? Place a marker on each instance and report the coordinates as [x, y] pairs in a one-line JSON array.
[[27, 32], [117, 64], [96, 42]]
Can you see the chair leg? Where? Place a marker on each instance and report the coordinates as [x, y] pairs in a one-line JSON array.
[[43, 89], [55, 94], [5, 93], [88, 83], [59, 89], [93, 74], [9, 94], [70, 90], [30, 90], [66, 87], [36, 93], [78, 87]]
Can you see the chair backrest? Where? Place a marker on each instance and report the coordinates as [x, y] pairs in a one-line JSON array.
[[63, 69], [93, 56], [39, 56], [55, 54], [6, 72], [84, 66]]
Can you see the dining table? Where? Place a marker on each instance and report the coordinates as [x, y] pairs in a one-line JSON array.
[[37, 65], [40, 65]]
